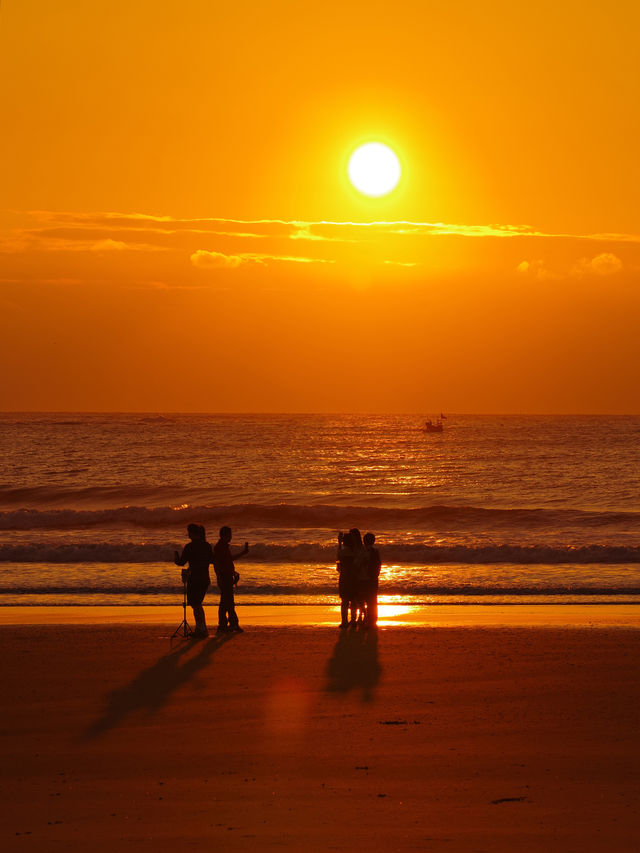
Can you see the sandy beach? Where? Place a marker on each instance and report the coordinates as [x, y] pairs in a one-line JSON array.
[[473, 738]]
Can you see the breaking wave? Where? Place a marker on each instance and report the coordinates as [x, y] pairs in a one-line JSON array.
[[326, 554], [437, 517]]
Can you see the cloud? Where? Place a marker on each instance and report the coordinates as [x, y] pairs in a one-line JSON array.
[[614, 238], [69, 239], [215, 260], [305, 231], [225, 243], [312, 230], [603, 265], [537, 269], [203, 259], [108, 245]]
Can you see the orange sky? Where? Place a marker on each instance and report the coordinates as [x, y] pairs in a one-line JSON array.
[[177, 231]]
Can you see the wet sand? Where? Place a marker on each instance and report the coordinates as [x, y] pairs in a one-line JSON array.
[[475, 738], [448, 615]]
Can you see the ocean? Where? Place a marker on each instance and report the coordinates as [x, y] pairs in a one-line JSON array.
[[495, 509]]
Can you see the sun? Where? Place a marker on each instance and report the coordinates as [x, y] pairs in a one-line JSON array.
[[374, 169]]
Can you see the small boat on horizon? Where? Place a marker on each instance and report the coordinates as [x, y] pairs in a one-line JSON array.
[[434, 426]]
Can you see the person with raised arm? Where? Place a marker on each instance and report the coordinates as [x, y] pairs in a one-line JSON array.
[[227, 577]]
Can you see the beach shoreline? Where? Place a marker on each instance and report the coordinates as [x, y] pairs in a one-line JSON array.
[[397, 615]]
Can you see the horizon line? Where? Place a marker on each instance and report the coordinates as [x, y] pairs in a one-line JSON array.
[[448, 413]]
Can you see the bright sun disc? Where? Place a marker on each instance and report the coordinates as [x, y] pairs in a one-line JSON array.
[[374, 169]]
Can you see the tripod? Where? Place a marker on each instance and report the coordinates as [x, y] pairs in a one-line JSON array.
[[183, 629]]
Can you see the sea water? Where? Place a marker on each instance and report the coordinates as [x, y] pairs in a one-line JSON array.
[[495, 509]]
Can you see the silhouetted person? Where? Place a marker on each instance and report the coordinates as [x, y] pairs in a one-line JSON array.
[[360, 576], [346, 578], [373, 572], [199, 555], [227, 578]]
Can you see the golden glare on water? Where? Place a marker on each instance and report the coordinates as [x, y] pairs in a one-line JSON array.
[[392, 611], [374, 169]]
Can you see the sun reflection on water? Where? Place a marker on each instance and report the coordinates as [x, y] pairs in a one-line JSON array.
[[391, 607]]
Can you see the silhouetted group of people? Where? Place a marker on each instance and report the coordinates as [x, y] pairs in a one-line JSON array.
[[359, 571], [199, 555], [358, 567]]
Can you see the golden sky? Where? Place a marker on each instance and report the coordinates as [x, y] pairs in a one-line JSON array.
[[178, 232]]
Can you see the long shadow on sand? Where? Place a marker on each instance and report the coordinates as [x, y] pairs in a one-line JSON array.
[[152, 687], [354, 663]]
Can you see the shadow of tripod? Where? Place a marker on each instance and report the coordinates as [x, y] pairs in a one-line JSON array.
[[150, 690]]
